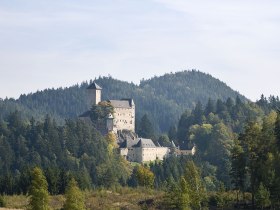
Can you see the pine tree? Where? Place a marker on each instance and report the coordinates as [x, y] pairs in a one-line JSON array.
[[210, 107], [146, 128], [262, 197], [277, 129], [39, 196], [194, 181], [74, 197], [184, 196]]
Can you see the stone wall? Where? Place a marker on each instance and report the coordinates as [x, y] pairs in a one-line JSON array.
[[156, 153], [124, 119]]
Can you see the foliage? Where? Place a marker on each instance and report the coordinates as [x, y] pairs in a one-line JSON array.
[[145, 128], [162, 98], [195, 183], [101, 111], [73, 150], [178, 195], [74, 197], [144, 176], [189, 192], [39, 196], [262, 197], [2, 201], [255, 160]]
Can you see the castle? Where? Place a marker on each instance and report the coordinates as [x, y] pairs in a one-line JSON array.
[[122, 124], [123, 117]]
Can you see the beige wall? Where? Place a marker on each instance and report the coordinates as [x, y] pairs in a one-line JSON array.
[[124, 119], [151, 154], [144, 154]]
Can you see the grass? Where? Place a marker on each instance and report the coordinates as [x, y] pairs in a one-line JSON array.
[[121, 198]]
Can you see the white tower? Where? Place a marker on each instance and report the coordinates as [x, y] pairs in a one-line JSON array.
[[94, 94]]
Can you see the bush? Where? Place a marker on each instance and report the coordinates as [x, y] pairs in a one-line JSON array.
[[2, 201]]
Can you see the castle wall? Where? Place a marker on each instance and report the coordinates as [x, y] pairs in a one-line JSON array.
[[124, 119], [133, 154], [156, 153]]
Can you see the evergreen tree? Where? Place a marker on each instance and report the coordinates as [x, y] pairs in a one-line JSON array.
[[39, 196], [146, 129], [198, 113], [210, 107], [262, 197], [197, 189], [74, 197], [172, 133], [277, 129]]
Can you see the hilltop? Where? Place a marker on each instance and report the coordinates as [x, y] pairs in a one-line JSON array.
[[163, 98]]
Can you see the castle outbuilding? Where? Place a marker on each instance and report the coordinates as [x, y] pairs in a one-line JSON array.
[[144, 150]]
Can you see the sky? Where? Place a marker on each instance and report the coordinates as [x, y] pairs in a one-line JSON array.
[[59, 43]]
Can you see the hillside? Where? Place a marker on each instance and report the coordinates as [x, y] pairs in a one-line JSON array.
[[174, 92]]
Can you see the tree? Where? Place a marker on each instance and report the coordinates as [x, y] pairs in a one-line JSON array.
[[197, 189], [277, 129], [250, 140], [2, 201], [172, 133], [210, 107], [74, 197], [145, 177], [39, 196], [198, 113], [146, 129], [262, 197], [101, 111], [238, 169], [184, 195], [164, 141]]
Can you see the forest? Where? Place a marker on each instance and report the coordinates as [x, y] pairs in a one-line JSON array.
[[174, 92], [236, 164]]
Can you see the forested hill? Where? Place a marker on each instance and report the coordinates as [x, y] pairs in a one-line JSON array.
[[162, 98]]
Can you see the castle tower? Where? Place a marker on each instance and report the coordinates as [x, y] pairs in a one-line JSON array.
[[94, 94]]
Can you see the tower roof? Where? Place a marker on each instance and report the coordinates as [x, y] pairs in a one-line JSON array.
[[94, 86]]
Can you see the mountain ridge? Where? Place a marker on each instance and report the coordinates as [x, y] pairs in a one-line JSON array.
[[171, 92]]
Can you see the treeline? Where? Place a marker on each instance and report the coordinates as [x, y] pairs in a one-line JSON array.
[[162, 98]]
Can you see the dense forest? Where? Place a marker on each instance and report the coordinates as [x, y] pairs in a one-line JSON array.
[[174, 93], [237, 152], [237, 144]]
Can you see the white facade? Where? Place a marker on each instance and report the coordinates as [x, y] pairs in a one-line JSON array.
[[124, 118], [157, 153]]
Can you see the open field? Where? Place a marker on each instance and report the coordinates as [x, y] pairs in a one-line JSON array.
[[121, 198]]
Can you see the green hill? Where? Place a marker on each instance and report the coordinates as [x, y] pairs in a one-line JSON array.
[[162, 98]]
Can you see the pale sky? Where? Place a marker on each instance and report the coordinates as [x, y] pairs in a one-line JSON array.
[[54, 43]]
